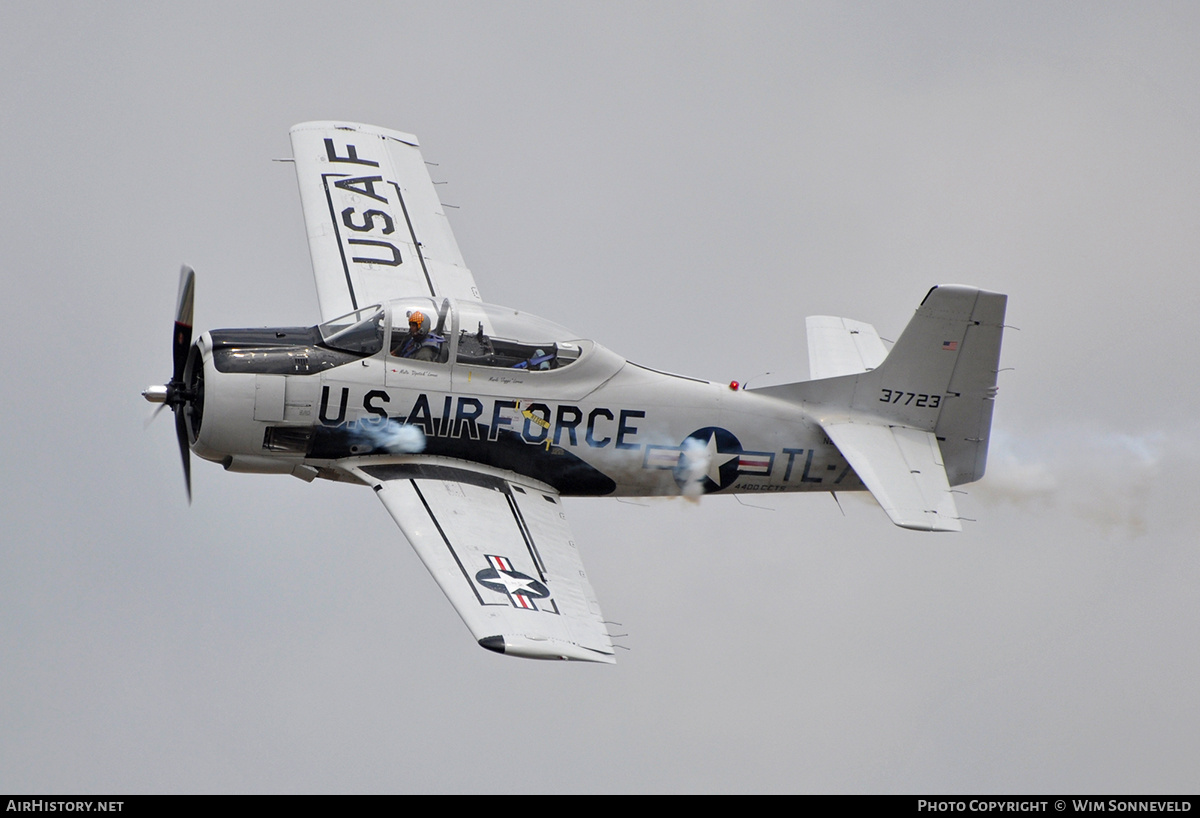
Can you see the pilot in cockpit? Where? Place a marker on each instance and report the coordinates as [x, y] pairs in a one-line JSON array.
[[420, 344]]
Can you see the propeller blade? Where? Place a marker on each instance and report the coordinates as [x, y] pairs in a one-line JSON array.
[[184, 450], [182, 340], [153, 415], [175, 393]]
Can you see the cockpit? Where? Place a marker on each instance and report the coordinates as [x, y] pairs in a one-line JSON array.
[[467, 333]]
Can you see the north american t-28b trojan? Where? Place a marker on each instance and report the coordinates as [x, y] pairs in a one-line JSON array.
[[472, 421]]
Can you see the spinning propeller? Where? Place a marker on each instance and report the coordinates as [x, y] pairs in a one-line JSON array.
[[177, 393]]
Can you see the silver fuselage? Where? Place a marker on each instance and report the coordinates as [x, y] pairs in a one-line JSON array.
[[277, 401]]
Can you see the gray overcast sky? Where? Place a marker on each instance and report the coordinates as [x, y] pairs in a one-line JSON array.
[[684, 183]]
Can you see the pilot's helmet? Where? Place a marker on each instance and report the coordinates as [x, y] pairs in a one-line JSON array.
[[418, 324]]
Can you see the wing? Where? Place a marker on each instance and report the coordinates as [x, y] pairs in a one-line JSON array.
[[376, 228], [904, 470], [502, 553], [840, 346]]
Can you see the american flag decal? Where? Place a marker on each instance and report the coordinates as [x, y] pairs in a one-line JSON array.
[[950, 346]]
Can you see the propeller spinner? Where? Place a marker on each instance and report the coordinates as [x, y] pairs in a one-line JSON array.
[[175, 393]]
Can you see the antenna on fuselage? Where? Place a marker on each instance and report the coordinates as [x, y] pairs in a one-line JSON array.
[[833, 494]]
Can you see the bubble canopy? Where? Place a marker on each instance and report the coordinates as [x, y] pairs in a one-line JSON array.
[[462, 332]]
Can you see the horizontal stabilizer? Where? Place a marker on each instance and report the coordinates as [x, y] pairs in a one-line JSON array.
[[904, 470], [840, 346]]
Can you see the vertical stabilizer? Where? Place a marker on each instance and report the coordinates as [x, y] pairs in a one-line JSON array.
[[939, 377], [934, 391], [950, 349]]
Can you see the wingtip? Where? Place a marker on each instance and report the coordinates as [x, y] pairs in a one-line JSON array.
[[538, 649], [493, 643]]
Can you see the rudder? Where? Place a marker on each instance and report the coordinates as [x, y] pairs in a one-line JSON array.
[[947, 358]]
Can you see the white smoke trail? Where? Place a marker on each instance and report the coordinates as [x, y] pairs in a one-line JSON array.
[[1098, 475], [393, 436]]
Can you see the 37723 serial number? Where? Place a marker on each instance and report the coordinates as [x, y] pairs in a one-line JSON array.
[[909, 398]]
